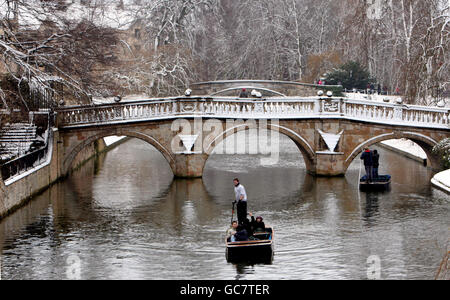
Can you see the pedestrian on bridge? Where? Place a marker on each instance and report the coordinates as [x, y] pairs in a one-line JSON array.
[[241, 200], [243, 94]]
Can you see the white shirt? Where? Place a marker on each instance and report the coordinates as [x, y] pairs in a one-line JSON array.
[[240, 191]]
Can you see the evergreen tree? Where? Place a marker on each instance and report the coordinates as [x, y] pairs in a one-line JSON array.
[[350, 75]]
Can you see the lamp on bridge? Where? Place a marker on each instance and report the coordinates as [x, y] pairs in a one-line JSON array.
[[330, 94], [188, 93], [320, 93], [117, 99]]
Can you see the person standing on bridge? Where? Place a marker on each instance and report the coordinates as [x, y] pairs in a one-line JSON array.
[[367, 156], [243, 94], [241, 200]]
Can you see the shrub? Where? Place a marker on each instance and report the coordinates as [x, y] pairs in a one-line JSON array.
[[443, 149]]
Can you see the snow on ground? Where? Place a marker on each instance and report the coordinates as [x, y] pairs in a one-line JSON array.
[[442, 180], [374, 97], [407, 146], [386, 98]]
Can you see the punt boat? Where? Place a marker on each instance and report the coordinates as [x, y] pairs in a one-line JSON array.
[[259, 248], [380, 184]]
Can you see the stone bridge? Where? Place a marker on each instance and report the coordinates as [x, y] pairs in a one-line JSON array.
[[266, 87], [330, 132]]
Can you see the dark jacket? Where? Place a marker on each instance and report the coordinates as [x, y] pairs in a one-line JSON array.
[[243, 94], [241, 236], [376, 160], [247, 225], [256, 225], [368, 158]]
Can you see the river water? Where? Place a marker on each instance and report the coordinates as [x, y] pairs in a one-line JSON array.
[[123, 216]]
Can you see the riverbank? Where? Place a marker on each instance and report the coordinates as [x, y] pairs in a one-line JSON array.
[[413, 151], [406, 148]]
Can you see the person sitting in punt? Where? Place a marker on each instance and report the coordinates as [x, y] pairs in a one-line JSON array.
[[241, 235], [257, 224], [232, 231]]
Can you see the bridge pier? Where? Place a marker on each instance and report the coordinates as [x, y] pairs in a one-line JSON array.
[[189, 165], [330, 164]]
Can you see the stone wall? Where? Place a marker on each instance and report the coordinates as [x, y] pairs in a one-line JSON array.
[[15, 194], [88, 153]]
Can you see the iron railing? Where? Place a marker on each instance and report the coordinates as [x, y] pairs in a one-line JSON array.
[[30, 160]]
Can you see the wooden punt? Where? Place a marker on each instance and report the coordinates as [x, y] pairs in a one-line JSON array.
[[380, 184], [259, 248]]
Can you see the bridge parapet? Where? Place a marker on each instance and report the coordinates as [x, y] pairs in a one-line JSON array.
[[270, 108]]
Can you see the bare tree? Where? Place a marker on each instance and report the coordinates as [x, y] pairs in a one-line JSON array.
[[158, 47], [40, 46]]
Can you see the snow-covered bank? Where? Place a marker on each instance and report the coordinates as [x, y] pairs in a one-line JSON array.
[[442, 181], [373, 97], [412, 150], [406, 147]]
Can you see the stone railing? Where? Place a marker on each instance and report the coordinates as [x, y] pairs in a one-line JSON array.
[[271, 108]]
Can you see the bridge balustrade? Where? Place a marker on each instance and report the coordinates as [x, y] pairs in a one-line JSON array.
[[273, 108]]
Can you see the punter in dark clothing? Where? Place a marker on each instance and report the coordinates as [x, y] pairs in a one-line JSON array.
[[257, 224], [368, 164], [376, 164]]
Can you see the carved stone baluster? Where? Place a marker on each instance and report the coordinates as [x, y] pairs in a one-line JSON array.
[[86, 116]]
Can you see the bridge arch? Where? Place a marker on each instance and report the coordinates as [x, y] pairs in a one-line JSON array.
[[248, 88], [425, 142], [302, 144], [68, 161]]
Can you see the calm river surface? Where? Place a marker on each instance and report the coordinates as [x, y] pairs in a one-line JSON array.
[[123, 216]]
